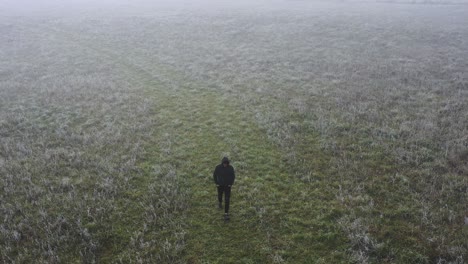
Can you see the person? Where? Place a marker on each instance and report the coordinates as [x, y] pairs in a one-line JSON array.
[[224, 177]]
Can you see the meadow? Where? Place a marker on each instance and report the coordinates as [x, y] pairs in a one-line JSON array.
[[347, 124]]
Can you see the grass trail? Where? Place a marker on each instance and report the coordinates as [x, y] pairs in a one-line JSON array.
[[203, 129], [275, 216]]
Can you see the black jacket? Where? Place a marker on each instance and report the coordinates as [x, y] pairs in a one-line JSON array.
[[224, 175]]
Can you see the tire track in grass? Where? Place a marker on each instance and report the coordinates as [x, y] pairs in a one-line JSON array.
[[206, 131], [275, 216], [201, 127]]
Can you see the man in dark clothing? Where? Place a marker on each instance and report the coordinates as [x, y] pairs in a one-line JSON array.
[[224, 177]]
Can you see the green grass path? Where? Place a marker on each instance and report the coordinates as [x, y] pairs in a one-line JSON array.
[[203, 130], [275, 217]]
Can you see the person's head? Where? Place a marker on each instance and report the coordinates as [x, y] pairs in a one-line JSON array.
[[225, 162]]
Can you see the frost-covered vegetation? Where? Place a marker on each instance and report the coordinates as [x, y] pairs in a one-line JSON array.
[[347, 124]]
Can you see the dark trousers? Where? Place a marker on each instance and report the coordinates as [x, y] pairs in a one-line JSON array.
[[227, 196]]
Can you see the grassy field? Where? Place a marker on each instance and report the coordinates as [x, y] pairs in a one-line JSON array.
[[346, 123]]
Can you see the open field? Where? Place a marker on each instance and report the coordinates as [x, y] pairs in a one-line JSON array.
[[347, 124]]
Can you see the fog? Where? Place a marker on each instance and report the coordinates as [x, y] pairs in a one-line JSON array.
[[345, 120], [67, 7], [59, 8]]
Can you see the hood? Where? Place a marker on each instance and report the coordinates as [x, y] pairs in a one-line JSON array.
[[225, 159]]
